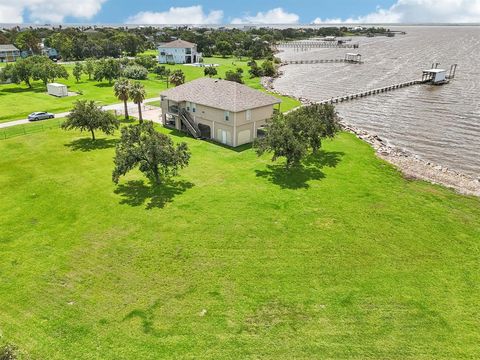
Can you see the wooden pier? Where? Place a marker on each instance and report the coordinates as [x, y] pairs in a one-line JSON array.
[[306, 45], [320, 61], [364, 94]]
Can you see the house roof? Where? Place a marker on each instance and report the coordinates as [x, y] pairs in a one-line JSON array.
[[434, 71], [220, 94], [9, 47], [182, 44]]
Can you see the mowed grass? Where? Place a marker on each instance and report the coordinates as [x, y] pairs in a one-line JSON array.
[[235, 258], [17, 101]]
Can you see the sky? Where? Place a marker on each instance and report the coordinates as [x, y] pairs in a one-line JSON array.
[[239, 12]]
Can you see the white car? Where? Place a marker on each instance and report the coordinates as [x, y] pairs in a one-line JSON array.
[[40, 116]]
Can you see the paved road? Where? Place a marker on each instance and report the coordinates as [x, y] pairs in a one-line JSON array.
[[118, 106]]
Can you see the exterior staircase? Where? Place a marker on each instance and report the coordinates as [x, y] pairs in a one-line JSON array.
[[192, 127]]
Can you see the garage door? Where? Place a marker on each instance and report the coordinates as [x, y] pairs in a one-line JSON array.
[[244, 137]]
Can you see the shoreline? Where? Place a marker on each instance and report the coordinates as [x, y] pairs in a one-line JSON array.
[[410, 165]]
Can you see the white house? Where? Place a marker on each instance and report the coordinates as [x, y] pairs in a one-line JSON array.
[[178, 52]]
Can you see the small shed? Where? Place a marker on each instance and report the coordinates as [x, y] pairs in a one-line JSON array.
[[435, 76], [58, 90]]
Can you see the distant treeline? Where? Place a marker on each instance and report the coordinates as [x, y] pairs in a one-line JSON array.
[[79, 43]]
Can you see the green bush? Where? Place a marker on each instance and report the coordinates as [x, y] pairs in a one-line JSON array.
[[136, 72]]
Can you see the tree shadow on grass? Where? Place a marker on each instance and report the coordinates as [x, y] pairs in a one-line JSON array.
[[130, 120], [237, 149], [137, 193], [87, 144], [103, 85], [15, 89], [177, 133], [298, 177]]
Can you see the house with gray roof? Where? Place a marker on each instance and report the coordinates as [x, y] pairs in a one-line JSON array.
[[221, 110], [178, 52], [9, 53]]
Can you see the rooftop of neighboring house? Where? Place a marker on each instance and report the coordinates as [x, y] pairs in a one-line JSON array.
[[179, 44], [9, 47], [220, 94]]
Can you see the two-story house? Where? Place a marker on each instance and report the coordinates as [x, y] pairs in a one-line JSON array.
[[225, 111], [9, 53], [178, 52]]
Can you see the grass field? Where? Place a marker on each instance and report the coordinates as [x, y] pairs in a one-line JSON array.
[[236, 258], [17, 101]]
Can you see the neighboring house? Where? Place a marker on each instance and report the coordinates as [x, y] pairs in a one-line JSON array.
[[222, 110], [178, 52], [9, 53]]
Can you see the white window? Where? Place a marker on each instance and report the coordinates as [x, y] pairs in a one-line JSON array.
[[249, 115], [227, 115], [188, 106], [194, 107]]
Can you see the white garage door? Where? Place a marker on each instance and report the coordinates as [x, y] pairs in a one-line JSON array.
[[244, 137]]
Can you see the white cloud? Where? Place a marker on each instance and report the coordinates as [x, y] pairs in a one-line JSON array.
[[274, 16], [320, 21], [419, 11], [47, 10], [178, 15]]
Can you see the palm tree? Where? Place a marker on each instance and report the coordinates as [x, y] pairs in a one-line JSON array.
[[122, 92], [137, 93]]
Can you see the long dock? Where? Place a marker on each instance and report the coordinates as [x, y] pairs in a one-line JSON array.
[[367, 93], [320, 61], [304, 45]]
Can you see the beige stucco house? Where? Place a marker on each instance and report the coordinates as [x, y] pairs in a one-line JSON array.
[[222, 110]]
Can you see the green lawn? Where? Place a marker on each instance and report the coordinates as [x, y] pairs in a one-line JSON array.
[[17, 101], [234, 259]]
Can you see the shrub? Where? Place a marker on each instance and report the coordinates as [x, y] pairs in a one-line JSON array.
[[147, 61], [136, 72], [125, 61], [210, 71], [269, 68], [234, 76]]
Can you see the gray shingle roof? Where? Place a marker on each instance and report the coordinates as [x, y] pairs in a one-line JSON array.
[[181, 44], [220, 94], [8, 48]]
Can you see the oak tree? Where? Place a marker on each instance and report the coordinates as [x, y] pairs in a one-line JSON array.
[[152, 152]]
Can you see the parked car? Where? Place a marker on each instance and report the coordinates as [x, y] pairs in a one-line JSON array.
[[40, 116]]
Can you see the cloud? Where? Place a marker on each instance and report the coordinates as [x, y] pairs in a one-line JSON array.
[[319, 21], [47, 10], [419, 11], [178, 15], [274, 16]]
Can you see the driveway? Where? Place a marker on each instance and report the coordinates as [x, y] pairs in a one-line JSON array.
[[116, 107]]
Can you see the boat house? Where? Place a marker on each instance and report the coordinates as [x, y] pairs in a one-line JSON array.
[[435, 76], [221, 110], [178, 52], [353, 57]]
